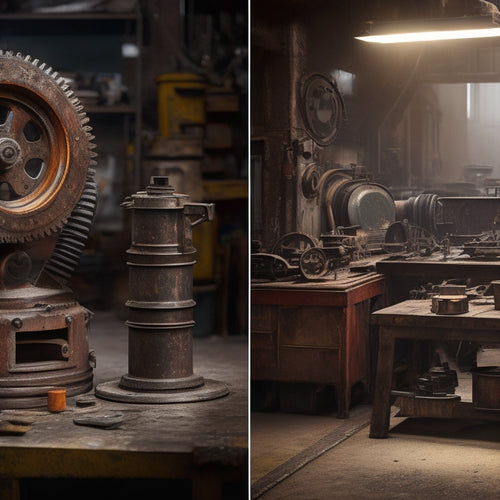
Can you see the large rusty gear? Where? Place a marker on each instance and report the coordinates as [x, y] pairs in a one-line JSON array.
[[45, 149]]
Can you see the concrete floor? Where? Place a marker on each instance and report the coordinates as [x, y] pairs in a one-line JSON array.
[[320, 457]]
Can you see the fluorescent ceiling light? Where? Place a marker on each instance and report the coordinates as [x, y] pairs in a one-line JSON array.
[[431, 29]]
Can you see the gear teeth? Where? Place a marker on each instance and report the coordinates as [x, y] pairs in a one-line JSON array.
[[78, 223]]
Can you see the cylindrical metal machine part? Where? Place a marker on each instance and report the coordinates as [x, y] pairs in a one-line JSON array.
[[161, 305], [161, 261]]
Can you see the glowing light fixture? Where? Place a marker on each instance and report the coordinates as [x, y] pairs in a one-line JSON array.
[[424, 30]]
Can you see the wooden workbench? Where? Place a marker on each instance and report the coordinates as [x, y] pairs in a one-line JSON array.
[[191, 450], [413, 319], [315, 331]]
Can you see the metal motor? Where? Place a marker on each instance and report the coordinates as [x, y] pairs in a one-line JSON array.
[[161, 305]]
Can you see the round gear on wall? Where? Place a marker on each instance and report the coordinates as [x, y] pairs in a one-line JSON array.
[[322, 108]]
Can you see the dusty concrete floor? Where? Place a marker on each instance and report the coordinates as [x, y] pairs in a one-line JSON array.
[[320, 457]]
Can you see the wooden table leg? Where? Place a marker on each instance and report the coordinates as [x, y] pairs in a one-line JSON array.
[[379, 427], [343, 401]]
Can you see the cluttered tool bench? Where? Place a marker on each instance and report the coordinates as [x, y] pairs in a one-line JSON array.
[[414, 319]]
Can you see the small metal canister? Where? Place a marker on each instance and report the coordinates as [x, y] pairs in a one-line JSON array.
[[451, 299]]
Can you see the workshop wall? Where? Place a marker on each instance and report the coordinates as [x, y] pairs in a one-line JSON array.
[[287, 46], [85, 43], [396, 123]]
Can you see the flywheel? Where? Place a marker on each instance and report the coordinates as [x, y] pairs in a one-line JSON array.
[[45, 149]]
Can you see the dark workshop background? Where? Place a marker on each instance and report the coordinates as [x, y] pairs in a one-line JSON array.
[[112, 53], [416, 116]]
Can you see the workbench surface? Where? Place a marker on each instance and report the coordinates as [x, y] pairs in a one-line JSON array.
[[154, 440], [345, 280]]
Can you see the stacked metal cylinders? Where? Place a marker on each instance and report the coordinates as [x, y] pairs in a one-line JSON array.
[[161, 305]]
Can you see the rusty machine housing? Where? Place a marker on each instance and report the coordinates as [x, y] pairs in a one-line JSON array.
[[47, 201]]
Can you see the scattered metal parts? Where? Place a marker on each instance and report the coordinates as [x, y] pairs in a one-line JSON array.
[[486, 246], [402, 237], [303, 255], [8, 428], [85, 401], [107, 420]]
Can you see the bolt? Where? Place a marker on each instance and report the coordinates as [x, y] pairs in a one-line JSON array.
[[65, 350], [69, 320], [17, 323], [48, 308], [9, 151]]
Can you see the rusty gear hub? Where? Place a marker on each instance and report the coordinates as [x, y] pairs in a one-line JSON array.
[[45, 149]]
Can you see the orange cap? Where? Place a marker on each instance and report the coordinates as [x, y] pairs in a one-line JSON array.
[[56, 400]]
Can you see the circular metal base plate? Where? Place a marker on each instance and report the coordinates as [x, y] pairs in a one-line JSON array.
[[211, 389], [130, 383]]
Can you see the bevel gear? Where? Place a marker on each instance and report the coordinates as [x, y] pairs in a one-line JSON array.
[[45, 150]]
